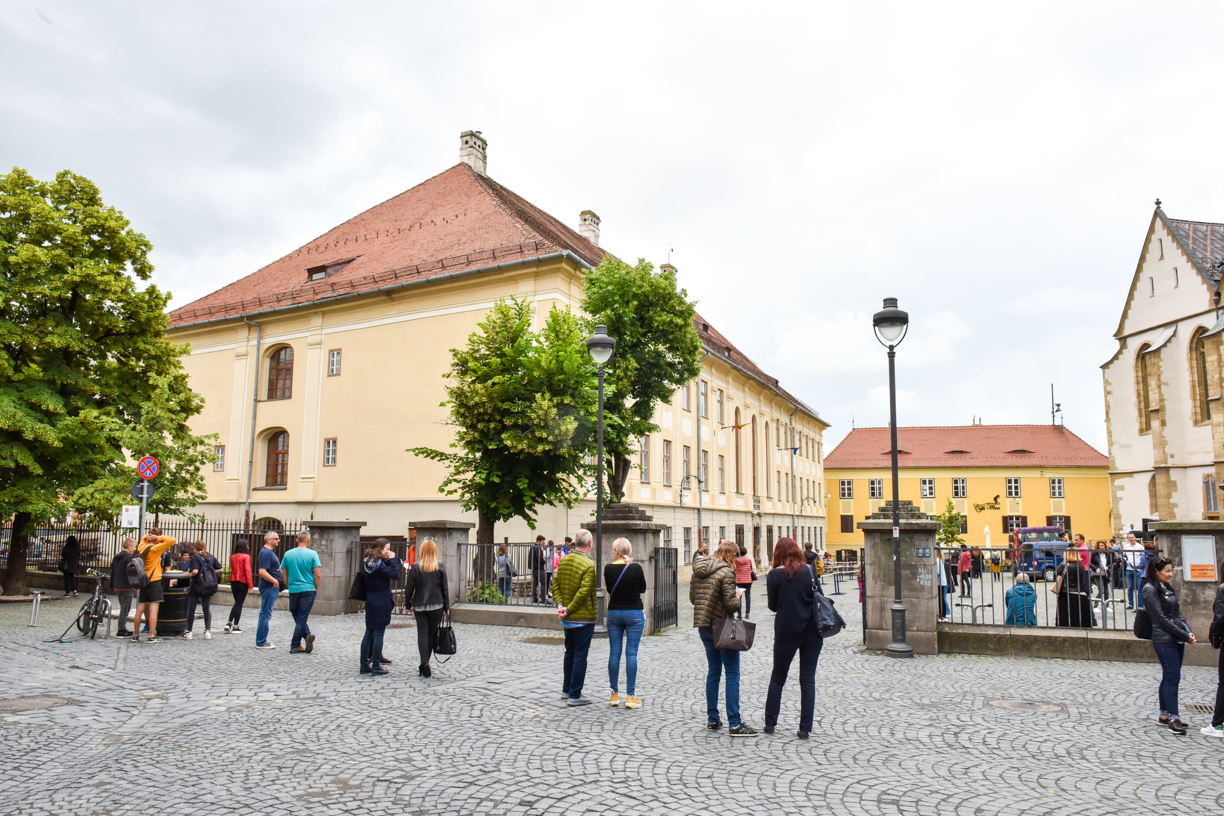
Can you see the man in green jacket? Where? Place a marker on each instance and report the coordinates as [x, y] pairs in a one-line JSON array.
[[574, 591]]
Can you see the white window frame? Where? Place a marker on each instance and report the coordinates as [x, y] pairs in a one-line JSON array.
[[218, 458], [960, 488], [845, 488], [719, 406], [333, 362], [1013, 487], [667, 462], [329, 452], [722, 474], [644, 459], [928, 488], [1057, 488]]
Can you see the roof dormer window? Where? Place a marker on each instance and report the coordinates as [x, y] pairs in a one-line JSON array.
[[1020, 450], [318, 273], [955, 451]]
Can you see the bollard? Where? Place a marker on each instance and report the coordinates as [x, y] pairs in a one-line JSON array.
[[34, 610]]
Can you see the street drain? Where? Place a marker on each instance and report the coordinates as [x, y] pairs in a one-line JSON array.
[[1027, 706], [1199, 708], [545, 640], [32, 703]]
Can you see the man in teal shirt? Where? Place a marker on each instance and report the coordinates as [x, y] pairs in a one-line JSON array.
[[304, 571]]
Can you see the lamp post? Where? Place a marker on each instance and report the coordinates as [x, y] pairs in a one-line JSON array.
[[891, 325], [601, 347]]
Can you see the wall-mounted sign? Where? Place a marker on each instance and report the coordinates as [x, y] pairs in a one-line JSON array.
[[1199, 558]]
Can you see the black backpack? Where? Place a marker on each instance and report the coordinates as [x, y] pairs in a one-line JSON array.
[[137, 578], [206, 579]]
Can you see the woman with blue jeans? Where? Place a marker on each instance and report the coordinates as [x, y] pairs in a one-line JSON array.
[[1170, 634], [505, 573], [625, 582], [714, 596]]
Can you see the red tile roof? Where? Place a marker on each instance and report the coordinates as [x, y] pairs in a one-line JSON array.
[[981, 446], [717, 343], [455, 221]]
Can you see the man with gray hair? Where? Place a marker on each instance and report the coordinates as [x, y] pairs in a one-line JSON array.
[[574, 591], [269, 588]]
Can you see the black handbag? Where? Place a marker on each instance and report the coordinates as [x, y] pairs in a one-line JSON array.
[[1143, 625], [357, 592], [445, 641], [734, 634], [824, 613]]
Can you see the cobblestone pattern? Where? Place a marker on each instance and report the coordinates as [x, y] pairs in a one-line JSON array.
[[223, 728]]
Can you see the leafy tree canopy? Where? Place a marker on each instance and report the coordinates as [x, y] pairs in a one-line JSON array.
[[87, 375], [657, 351], [522, 403], [950, 521]]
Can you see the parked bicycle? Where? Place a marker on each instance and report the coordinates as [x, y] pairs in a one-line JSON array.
[[96, 609]]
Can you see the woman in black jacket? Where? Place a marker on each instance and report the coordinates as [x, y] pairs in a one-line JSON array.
[[1170, 634], [70, 562], [380, 568], [427, 595], [790, 591], [1216, 633], [1071, 587]]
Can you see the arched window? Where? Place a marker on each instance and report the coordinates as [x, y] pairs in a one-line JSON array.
[[738, 485], [755, 492], [1198, 385], [278, 459], [280, 373], [1142, 392]]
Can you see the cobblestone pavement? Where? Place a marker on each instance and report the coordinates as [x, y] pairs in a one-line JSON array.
[[217, 727]]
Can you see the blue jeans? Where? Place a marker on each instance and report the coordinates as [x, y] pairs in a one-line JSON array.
[[1170, 656], [1134, 588], [267, 600], [577, 645], [371, 648], [300, 604], [718, 660], [625, 626], [504, 584]]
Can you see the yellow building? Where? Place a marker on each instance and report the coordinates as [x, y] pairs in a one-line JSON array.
[[997, 476], [320, 370]]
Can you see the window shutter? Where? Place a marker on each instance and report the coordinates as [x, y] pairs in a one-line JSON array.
[[1067, 520], [1024, 521], [1049, 521], [1006, 531]]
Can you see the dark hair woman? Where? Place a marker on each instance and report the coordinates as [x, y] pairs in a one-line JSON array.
[[425, 593], [1071, 587], [201, 588], [381, 568], [714, 596], [1170, 634], [790, 589], [241, 581], [70, 562]]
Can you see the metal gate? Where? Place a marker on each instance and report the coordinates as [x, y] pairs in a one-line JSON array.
[[666, 581]]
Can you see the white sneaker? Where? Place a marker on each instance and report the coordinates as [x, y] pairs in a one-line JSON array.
[[208, 634], [267, 645], [186, 636], [1212, 731], [228, 627]]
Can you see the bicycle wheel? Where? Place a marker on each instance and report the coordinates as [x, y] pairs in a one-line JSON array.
[[83, 617], [101, 614]]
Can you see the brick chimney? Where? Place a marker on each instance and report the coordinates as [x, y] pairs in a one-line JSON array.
[[472, 148], [588, 226]]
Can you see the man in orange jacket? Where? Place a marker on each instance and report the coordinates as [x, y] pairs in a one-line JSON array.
[[149, 600]]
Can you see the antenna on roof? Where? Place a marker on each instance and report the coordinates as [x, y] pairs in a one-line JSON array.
[[669, 251], [1055, 407]]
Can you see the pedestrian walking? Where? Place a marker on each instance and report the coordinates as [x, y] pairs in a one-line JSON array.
[[1085, 554], [120, 584], [574, 591], [1071, 587], [505, 573], [810, 555], [790, 586], [381, 567], [1216, 636], [1136, 564], [304, 572], [978, 562], [996, 567], [944, 583], [714, 596], [148, 599], [1170, 634], [965, 571], [1021, 603], [1099, 568], [427, 594], [203, 569], [69, 563], [625, 581], [269, 588], [550, 569], [536, 561], [744, 576], [241, 582]]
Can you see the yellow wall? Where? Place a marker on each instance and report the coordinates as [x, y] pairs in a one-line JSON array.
[[1085, 490]]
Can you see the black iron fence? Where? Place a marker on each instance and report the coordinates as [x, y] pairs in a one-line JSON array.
[[667, 596], [507, 573], [1040, 587]]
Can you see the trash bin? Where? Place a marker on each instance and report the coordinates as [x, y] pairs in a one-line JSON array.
[[172, 616]]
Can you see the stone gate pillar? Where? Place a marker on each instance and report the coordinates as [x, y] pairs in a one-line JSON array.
[[337, 543], [448, 535], [919, 582], [1196, 549]]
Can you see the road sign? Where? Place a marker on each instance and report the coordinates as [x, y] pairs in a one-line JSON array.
[[148, 467], [143, 490], [131, 516]]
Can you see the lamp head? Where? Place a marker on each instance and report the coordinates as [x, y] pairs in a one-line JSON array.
[[600, 346], [890, 323]]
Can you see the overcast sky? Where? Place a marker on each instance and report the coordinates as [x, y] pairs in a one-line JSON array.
[[992, 166]]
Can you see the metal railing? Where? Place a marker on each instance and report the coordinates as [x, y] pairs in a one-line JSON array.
[[1104, 596], [508, 573]]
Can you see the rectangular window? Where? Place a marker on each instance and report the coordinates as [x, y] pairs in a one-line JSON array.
[[847, 488], [1059, 521], [688, 544], [667, 541], [875, 488], [1013, 487], [1211, 496], [847, 523], [705, 536], [333, 363], [1013, 523], [722, 533], [667, 462], [928, 488], [722, 484], [778, 434], [704, 475], [329, 452], [703, 394], [219, 457], [1056, 488], [719, 406], [687, 462], [779, 485], [644, 460], [684, 403], [958, 487]]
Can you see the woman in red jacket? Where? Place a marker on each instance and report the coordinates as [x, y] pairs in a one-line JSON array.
[[240, 582]]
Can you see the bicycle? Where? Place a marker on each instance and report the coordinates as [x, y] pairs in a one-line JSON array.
[[96, 609]]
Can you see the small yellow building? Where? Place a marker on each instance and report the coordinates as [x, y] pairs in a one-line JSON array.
[[997, 476]]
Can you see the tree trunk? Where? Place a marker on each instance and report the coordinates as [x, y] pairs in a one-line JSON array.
[[484, 562], [617, 475], [19, 545]]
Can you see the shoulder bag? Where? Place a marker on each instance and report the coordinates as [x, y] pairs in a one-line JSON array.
[[734, 634], [357, 592], [1143, 625], [824, 613], [445, 642]]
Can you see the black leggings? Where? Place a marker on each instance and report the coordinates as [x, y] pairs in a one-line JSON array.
[[240, 591], [204, 601], [69, 582], [427, 632]]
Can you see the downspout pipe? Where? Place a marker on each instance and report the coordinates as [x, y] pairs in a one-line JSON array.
[[254, 412], [794, 495], [700, 481]]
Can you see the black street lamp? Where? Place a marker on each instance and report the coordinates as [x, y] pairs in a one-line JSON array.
[[601, 347], [891, 325]]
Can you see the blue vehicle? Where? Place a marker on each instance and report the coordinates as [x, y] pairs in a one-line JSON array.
[[1038, 551]]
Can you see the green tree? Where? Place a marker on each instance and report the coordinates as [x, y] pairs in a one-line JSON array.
[[657, 351], [522, 404], [86, 373], [950, 522]]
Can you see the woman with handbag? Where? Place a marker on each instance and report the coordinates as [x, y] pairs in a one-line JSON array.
[[744, 576], [715, 596], [1170, 634], [379, 568], [626, 581], [1071, 587], [791, 589], [505, 572], [70, 562], [427, 595]]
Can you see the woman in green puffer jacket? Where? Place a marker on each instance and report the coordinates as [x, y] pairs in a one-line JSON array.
[[715, 596]]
